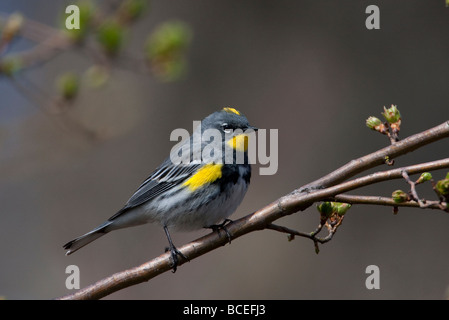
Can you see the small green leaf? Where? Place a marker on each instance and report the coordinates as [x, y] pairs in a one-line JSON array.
[[110, 36], [68, 84], [166, 47]]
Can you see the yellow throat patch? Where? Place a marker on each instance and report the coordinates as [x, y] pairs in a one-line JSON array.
[[207, 174], [239, 143]]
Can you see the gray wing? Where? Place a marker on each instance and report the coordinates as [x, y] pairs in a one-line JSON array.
[[166, 176], [162, 179]]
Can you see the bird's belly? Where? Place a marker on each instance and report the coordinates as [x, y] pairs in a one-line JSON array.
[[184, 211]]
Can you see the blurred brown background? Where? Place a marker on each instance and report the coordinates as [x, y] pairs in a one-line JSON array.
[[308, 68]]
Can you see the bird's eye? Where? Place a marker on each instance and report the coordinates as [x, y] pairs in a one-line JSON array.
[[226, 127]]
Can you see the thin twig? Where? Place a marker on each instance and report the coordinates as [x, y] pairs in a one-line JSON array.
[[291, 232], [332, 229], [385, 201], [414, 194]]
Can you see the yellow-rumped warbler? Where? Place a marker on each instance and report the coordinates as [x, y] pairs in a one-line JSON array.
[[194, 193]]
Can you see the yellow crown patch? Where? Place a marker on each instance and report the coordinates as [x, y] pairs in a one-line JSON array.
[[232, 110]]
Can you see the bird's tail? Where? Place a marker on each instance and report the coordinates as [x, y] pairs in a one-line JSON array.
[[80, 242]]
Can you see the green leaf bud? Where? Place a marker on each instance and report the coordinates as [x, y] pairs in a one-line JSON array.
[[399, 196], [341, 208], [392, 114], [325, 209], [425, 176], [442, 187], [373, 122]]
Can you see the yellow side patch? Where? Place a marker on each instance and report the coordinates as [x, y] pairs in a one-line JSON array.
[[207, 174], [239, 143], [232, 110]]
